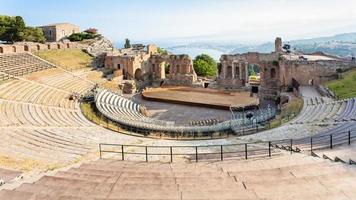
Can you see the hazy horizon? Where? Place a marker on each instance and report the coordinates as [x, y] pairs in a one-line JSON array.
[[253, 21]]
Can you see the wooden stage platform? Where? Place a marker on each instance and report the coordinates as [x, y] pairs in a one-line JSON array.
[[203, 97]]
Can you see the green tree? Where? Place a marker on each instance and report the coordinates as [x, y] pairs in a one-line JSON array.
[[18, 29], [205, 65], [127, 43], [13, 29], [33, 34]]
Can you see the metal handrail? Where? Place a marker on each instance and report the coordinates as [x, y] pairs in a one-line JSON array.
[[309, 144]]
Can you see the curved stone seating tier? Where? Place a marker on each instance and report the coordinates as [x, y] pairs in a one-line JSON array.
[[68, 82], [23, 91], [52, 144], [282, 177], [343, 110], [45, 145], [22, 63], [127, 113], [41, 123], [350, 111], [26, 114]]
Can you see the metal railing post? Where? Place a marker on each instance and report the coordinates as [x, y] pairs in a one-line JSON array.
[[122, 152], [349, 137], [245, 150], [146, 154], [171, 151], [221, 153], [196, 153], [269, 149], [331, 141], [311, 144], [291, 146]]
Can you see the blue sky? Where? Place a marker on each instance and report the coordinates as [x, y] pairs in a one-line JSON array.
[[194, 20]]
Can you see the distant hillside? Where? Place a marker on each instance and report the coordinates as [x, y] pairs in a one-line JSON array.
[[345, 37], [341, 45]]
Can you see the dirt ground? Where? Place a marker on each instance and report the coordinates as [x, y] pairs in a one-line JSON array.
[[202, 96]]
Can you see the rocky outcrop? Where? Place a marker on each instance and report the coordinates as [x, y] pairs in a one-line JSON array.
[[98, 49]]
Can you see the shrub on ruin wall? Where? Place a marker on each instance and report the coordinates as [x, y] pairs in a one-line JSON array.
[[75, 37]]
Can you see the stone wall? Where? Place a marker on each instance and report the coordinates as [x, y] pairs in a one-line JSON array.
[[181, 71], [57, 32], [129, 64], [312, 72], [132, 61], [233, 69], [277, 69], [33, 47]]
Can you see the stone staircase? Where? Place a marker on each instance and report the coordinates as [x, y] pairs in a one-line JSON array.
[[284, 177], [7, 175], [344, 154]]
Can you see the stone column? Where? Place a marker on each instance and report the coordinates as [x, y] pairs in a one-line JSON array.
[[233, 70], [223, 71], [246, 72], [240, 70]]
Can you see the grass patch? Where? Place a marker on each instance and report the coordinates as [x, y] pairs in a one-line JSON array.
[[69, 59], [345, 87], [89, 113], [289, 111]]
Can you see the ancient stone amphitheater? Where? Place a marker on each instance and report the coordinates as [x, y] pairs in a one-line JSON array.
[[39, 122]]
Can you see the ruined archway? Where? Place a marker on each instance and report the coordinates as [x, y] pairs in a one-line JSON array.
[[58, 46], [1, 50], [228, 73], [138, 74], [14, 49], [254, 78], [26, 48], [161, 71], [235, 73], [38, 47]]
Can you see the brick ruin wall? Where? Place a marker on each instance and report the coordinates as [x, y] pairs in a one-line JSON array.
[[33, 47], [233, 69], [276, 72], [315, 72], [181, 71]]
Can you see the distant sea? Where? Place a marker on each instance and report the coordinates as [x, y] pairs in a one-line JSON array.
[[191, 51]]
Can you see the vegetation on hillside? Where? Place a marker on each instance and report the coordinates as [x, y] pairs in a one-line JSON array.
[[14, 29], [205, 65], [345, 87], [90, 33], [68, 59]]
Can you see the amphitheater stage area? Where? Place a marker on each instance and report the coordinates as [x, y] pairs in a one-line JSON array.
[[201, 97]]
